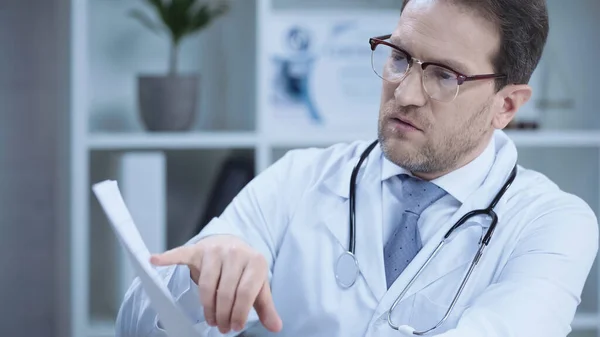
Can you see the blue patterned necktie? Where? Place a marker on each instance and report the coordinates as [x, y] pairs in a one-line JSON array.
[[404, 244]]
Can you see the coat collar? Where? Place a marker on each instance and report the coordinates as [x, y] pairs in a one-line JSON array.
[[368, 215], [460, 183], [338, 180]]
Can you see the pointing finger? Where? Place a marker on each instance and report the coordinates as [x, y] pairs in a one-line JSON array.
[[180, 255]]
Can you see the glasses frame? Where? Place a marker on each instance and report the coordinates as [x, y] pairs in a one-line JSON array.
[[460, 77]]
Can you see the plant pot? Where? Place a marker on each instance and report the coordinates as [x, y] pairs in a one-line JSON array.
[[167, 103]]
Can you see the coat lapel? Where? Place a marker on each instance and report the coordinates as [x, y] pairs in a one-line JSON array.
[[369, 247]]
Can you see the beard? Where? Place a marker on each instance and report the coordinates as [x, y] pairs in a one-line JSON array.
[[442, 150]]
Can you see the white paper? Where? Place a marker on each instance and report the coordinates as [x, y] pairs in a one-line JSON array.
[[172, 318]]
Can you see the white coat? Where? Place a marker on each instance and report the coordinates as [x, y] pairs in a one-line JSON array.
[[528, 283]]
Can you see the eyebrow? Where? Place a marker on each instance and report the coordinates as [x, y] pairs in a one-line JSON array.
[[454, 65]]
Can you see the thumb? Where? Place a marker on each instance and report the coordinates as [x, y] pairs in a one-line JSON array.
[[265, 308]]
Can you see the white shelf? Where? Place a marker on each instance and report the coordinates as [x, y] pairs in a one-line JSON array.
[[527, 138], [551, 138], [171, 140], [316, 139], [226, 139]]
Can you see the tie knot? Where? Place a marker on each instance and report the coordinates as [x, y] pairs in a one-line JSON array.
[[418, 194]]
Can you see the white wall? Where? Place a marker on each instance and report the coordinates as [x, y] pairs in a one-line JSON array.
[[29, 97]]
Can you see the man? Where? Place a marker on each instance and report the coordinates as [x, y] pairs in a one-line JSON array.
[[454, 75]]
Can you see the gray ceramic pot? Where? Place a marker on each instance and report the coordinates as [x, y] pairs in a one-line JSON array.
[[167, 103]]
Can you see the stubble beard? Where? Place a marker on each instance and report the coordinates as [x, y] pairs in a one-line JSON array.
[[441, 154]]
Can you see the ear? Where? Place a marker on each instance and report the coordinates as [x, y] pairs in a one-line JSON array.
[[509, 100]]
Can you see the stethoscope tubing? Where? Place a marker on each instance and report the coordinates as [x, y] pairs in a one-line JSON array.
[[485, 240], [352, 215]]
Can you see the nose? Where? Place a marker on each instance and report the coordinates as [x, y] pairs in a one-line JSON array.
[[410, 90]]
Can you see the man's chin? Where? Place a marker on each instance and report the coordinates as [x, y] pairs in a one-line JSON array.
[[398, 143], [398, 149]]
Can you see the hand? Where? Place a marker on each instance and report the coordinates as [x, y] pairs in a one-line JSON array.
[[231, 277]]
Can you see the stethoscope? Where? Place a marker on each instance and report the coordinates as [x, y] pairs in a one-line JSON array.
[[347, 269]]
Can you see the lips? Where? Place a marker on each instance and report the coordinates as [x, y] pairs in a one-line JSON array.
[[405, 121]]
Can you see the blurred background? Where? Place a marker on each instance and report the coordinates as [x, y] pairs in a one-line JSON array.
[[95, 89]]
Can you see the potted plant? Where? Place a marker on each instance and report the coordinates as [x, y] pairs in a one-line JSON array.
[[168, 102]]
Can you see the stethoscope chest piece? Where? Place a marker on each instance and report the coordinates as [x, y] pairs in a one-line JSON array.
[[346, 270]]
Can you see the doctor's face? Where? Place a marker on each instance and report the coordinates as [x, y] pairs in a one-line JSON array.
[[427, 129]]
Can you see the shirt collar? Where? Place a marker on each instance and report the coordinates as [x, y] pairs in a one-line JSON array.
[[459, 183]]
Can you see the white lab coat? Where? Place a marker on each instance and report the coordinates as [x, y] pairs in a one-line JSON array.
[[528, 283]]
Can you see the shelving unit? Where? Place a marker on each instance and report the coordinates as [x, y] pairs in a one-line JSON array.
[[172, 141], [108, 50]]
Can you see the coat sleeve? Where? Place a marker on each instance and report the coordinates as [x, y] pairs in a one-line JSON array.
[[258, 215], [540, 287]]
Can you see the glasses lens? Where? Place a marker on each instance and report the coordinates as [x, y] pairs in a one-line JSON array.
[[440, 83], [389, 63]]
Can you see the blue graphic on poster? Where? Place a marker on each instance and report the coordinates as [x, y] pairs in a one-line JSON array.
[[294, 71]]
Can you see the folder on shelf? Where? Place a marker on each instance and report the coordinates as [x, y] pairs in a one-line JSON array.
[[172, 318]]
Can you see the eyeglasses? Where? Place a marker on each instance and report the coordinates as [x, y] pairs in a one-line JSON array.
[[441, 83]]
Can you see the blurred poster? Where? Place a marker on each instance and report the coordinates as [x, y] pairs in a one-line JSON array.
[[319, 72]]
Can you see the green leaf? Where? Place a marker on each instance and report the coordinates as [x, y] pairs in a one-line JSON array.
[[200, 19], [179, 19], [205, 15], [160, 9], [183, 17], [145, 20]]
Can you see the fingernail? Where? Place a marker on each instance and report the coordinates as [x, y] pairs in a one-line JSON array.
[[237, 327]]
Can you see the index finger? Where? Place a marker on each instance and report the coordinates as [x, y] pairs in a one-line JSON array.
[[184, 255]]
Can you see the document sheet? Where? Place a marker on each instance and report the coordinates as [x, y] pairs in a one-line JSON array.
[[171, 317]]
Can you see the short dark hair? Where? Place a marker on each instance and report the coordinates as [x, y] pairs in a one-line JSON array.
[[523, 26]]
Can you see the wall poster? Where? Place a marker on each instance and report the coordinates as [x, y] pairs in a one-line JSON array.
[[319, 75]]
